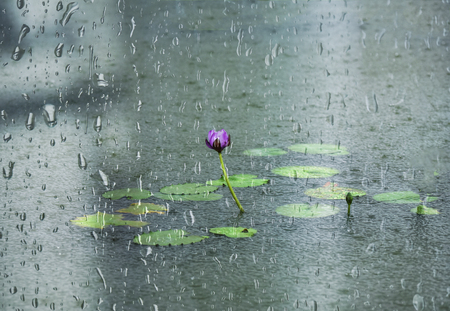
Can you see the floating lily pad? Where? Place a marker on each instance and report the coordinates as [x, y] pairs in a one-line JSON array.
[[307, 210], [239, 180], [143, 208], [189, 197], [101, 220], [234, 232], [167, 238], [401, 197], [423, 210], [189, 188], [129, 193], [319, 149], [305, 171], [262, 152], [331, 191]]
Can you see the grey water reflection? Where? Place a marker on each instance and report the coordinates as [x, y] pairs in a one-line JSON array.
[[126, 100]]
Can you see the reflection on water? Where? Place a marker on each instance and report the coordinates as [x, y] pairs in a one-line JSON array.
[[134, 111]]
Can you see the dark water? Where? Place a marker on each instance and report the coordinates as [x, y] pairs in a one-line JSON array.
[[137, 95]]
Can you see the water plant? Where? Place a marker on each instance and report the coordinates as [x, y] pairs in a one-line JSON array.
[[219, 141], [349, 199]]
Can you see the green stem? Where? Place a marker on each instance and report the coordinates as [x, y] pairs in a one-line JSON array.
[[228, 183], [348, 210]]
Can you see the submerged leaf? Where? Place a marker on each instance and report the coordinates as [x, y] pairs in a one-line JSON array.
[[143, 208], [188, 188], [305, 171], [101, 220], [129, 193], [423, 210], [234, 232], [401, 197], [167, 238], [307, 210], [333, 192], [189, 197], [261, 152], [319, 149], [239, 180]]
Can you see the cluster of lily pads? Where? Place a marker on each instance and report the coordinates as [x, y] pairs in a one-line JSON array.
[[206, 192]]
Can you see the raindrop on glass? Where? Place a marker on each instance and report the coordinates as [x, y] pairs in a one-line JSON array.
[[418, 302], [82, 163], [52, 142], [49, 114], [17, 53], [8, 170], [59, 6], [101, 81], [23, 32], [7, 137], [98, 124], [13, 290], [81, 31], [59, 49], [72, 7], [355, 272], [20, 4]]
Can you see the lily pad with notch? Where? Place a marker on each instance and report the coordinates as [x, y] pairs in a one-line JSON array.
[[307, 210], [423, 210], [240, 181], [305, 171], [263, 152], [234, 232], [143, 208], [101, 220], [167, 238], [331, 191], [327, 149], [401, 197], [129, 193]]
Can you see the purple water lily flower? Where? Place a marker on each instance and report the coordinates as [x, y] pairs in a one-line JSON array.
[[218, 140]]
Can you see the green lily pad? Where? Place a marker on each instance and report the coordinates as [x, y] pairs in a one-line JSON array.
[[307, 210], [189, 188], [101, 220], [143, 208], [239, 181], [331, 191], [167, 238], [262, 152], [305, 171], [423, 210], [129, 193], [401, 197], [189, 197], [234, 232], [319, 149]]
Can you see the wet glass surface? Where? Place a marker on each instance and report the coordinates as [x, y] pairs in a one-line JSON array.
[[101, 95]]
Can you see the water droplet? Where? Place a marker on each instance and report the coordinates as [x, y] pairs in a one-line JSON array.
[[7, 137], [8, 170], [72, 7], [52, 142], [42, 216], [59, 49], [3, 114], [82, 163], [20, 4], [418, 302], [105, 178], [13, 290], [175, 41], [59, 6], [98, 124], [319, 48], [101, 81], [81, 31], [17, 53], [268, 60], [370, 249], [34, 302], [355, 272], [23, 32], [49, 114]]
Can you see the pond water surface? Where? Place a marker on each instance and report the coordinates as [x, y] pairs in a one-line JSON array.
[[136, 87]]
